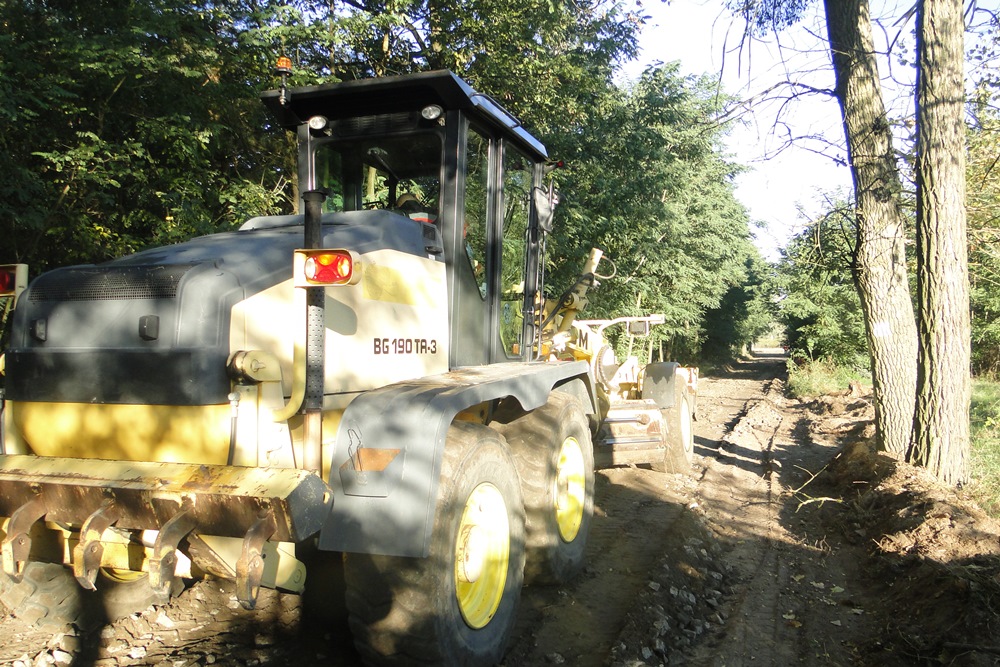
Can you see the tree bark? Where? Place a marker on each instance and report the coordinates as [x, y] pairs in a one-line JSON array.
[[943, 389], [880, 257]]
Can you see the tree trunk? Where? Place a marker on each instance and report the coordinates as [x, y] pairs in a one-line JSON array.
[[880, 257], [943, 389]]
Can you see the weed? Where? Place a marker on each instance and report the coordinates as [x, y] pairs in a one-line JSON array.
[[819, 378], [985, 435]]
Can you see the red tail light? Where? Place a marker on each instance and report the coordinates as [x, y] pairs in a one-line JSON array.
[[326, 267], [13, 279]]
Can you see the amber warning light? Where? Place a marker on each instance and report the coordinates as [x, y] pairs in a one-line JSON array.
[[326, 267], [13, 279], [284, 65]]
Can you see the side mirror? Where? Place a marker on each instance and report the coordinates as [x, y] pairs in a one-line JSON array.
[[545, 206], [638, 328]]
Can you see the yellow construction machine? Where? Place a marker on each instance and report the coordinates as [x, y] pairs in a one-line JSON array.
[[378, 379]]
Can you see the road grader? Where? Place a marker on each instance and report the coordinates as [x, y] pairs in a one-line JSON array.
[[379, 380]]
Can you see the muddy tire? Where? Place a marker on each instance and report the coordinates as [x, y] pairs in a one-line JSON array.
[[47, 597], [458, 605], [122, 595], [555, 459], [679, 454]]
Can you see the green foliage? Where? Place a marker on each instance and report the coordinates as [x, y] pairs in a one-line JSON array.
[[821, 309], [984, 467], [768, 16], [746, 313], [983, 216], [136, 123], [646, 183], [808, 379], [130, 124]]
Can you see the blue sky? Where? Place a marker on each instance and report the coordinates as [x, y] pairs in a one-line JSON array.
[[785, 187]]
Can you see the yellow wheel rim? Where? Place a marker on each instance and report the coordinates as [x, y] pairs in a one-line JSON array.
[[571, 489], [123, 576], [482, 553]]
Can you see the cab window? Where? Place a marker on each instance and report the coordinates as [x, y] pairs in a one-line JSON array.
[[399, 173]]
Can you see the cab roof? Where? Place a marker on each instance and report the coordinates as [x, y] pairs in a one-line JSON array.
[[391, 94]]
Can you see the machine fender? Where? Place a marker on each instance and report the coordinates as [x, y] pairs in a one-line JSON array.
[[658, 383], [387, 459]]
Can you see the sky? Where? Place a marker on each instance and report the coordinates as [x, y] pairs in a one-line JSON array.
[[786, 184]]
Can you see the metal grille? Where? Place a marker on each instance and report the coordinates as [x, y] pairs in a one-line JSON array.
[[108, 283], [379, 124]]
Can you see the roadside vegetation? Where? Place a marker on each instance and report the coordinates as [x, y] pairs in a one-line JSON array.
[[145, 129], [985, 464]]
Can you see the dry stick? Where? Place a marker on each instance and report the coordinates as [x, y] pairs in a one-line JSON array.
[[818, 500], [809, 481], [812, 476]]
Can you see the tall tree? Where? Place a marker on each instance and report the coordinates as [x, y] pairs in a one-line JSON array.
[[880, 260], [646, 182], [880, 269], [983, 194], [126, 124], [942, 415]]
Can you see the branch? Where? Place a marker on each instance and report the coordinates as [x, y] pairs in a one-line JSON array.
[[972, 647], [818, 500]]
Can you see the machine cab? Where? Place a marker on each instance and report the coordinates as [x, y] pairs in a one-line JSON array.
[[429, 147]]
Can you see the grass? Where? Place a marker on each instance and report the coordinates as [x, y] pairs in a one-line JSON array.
[[818, 378], [984, 465]]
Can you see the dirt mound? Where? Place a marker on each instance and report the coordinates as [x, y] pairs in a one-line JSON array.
[[936, 554]]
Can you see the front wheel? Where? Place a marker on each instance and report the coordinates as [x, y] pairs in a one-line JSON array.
[[457, 606]]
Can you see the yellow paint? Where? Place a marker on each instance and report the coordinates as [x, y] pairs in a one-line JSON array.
[[400, 296], [164, 433], [571, 489], [384, 283], [411, 286], [482, 555]]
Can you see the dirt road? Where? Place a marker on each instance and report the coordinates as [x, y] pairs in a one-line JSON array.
[[747, 560]]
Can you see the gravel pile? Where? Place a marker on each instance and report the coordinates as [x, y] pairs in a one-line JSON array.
[[681, 602]]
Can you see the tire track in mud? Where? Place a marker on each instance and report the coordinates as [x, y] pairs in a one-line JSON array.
[[740, 482], [655, 586], [636, 515], [791, 601]]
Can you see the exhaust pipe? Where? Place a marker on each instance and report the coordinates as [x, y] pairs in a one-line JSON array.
[[312, 446]]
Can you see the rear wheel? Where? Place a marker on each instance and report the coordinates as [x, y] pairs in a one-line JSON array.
[[555, 459], [456, 606]]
